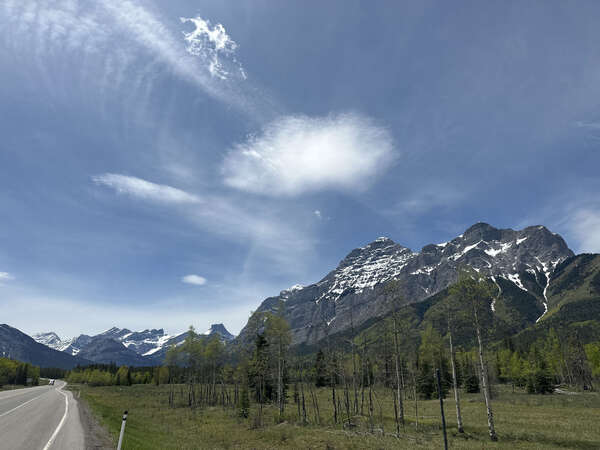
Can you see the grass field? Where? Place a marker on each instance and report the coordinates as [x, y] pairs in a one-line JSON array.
[[522, 421]]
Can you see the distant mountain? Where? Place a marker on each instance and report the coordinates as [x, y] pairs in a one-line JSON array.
[[106, 350], [74, 345], [144, 343], [219, 330], [352, 294], [50, 339], [126, 347], [17, 345]]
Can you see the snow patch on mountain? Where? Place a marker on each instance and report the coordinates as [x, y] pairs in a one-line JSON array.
[[502, 249], [368, 266]]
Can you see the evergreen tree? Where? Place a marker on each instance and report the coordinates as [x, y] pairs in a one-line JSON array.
[[426, 384], [244, 403], [321, 378]]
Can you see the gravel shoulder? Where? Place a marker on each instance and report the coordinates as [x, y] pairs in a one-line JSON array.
[[96, 436]]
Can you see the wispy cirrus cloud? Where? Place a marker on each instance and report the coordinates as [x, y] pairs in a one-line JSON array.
[[298, 154], [593, 125], [194, 279], [119, 32], [271, 237], [137, 187], [5, 276]]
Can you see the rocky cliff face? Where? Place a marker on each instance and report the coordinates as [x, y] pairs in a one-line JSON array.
[[352, 294]]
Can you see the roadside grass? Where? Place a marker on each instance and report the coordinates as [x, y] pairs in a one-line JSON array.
[[522, 421]]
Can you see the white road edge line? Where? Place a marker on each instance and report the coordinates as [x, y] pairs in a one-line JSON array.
[[22, 404], [62, 421]]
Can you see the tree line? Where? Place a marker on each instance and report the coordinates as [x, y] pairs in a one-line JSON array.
[[18, 373], [111, 375]]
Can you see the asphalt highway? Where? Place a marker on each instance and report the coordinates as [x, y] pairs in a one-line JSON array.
[[40, 418]]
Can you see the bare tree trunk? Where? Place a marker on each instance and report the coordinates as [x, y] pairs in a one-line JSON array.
[[347, 398], [335, 413], [315, 406], [485, 382], [416, 400], [370, 401], [396, 412], [353, 358], [332, 376], [455, 385], [303, 401], [362, 375], [279, 381], [400, 418], [297, 395]]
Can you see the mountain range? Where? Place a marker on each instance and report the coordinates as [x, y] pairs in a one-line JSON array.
[[351, 296], [17, 345], [116, 345], [540, 281]]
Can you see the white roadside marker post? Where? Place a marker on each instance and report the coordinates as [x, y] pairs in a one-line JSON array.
[[122, 430]]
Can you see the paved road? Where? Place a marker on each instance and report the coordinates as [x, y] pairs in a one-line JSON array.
[[40, 418]]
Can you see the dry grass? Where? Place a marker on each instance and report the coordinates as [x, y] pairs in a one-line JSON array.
[[522, 421]]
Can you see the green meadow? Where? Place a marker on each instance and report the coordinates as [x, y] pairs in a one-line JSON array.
[[556, 421]]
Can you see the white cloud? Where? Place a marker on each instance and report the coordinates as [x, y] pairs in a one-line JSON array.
[[213, 45], [5, 276], [584, 226], [194, 279], [318, 214], [136, 187], [297, 154]]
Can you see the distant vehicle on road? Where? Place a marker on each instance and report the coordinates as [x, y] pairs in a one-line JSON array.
[[51, 382]]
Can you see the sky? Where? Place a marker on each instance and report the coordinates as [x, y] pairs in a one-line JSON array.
[[166, 164]]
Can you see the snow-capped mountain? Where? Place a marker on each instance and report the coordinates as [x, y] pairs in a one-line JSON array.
[[52, 340], [352, 293], [16, 344], [144, 343], [123, 346]]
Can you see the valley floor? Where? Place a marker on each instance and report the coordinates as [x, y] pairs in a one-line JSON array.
[[522, 421]]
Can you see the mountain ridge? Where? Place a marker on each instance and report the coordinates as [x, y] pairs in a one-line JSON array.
[[18, 345], [351, 294], [123, 346]]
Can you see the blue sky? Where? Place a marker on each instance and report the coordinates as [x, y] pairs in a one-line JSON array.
[[173, 163]]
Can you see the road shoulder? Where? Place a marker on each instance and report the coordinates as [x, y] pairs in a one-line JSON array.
[[95, 435]]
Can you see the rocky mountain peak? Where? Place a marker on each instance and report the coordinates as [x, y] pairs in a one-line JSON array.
[[50, 339], [481, 231], [219, 329], [525, 258]]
